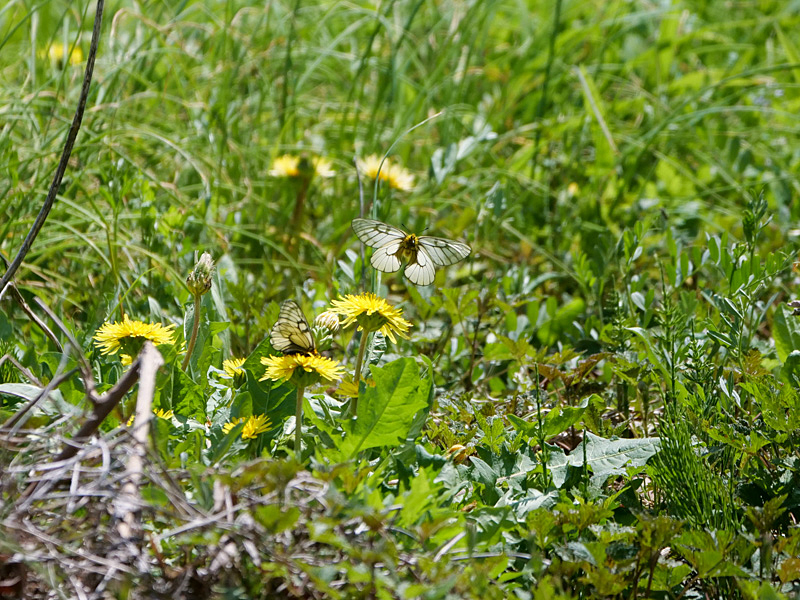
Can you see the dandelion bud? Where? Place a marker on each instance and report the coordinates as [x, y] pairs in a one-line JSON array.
[[199, 280], [328, 320]]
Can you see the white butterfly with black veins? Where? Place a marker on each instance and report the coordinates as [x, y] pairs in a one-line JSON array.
[[423, 253], [291, 333]]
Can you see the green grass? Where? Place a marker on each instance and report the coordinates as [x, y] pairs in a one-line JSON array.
[[616, 355]]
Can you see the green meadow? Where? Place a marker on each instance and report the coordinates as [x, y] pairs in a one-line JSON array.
[[554, 357]]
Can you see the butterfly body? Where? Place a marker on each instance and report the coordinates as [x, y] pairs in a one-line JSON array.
[[422, 253], [291, 333], [409, 247]]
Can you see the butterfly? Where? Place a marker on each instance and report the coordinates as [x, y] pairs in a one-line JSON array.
[[422, 252], [291, 333]]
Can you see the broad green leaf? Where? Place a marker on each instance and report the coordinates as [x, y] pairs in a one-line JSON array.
[[786, 331], [187, 396], [386, 411], [550, 329], [610, 457], [417, 500]]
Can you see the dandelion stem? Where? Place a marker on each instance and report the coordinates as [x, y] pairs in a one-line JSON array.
[[298, 421], [357, 375], [195, 328]]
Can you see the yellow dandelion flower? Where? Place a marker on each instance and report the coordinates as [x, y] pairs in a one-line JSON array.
[[372, 313], [395, 175], [233, 367], [56, 53], [302, 369], [232, 423], [253, 426], [131, 335]]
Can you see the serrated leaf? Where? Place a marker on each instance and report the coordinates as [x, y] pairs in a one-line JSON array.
[[386, 411]]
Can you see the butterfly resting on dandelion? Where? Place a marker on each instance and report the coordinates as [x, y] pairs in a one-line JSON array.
[[300, 362], [422, 253], [291, 333]]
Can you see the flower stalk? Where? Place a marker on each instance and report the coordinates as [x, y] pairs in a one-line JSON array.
[[195, 329], [298, 430], [362, 347], [198, 282]]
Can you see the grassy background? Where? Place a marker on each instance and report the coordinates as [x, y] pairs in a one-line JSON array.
[[626, 173], [662, 112]]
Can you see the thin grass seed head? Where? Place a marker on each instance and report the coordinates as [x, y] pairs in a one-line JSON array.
[[372, 313]]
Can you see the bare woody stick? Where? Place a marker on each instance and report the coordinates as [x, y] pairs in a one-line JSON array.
[[127, 507]]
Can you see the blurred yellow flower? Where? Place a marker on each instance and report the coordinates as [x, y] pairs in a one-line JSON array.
[[322, 167], [288, 165], [372, 313], [253, 426], [302, 369], [395, 175], [56, 53], [285, 166], [132, 335]]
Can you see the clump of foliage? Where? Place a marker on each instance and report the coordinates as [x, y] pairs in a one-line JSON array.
[[601, 401]]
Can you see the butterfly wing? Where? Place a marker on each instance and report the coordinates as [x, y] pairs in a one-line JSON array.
[[376, 234], [420, 270], [385, 258], [291, 333], [444, 252]]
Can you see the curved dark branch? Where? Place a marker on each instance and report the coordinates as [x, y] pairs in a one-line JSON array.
[[65, 154]]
